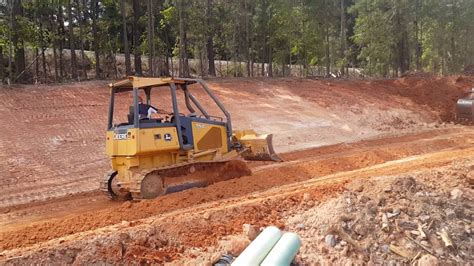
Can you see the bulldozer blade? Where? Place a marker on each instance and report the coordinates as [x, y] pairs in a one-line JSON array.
[[257, 147]]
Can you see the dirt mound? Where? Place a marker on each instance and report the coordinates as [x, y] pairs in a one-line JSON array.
[[183, 235], [393, 219], [440, 94]]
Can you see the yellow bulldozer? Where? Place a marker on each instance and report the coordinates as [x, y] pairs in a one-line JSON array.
[[157, 151]]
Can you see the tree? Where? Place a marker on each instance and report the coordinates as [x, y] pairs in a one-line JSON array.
[[183, 42], [71, 40], [136, 37], [374, 32], [2, 65], [343, 36], [61, 33], [210, 42], [95, 14], [151, 38], [17, 40], [54, 42], [277, 37], [81, 4], [128, 68]]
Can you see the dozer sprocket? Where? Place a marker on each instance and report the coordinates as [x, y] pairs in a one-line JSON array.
[[173, 179]]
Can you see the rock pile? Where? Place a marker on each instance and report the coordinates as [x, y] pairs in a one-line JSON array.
[[425, 218]]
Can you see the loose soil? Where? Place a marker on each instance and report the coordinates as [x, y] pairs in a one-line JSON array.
[[330, 134]]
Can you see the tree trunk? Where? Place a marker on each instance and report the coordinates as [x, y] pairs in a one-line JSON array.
[[251, 67], [172, 67], [151, 37], [264, 55], [71, 41], [247, 38], [95, 14], [43, 60], [328, 59], [84, 23], [82, 20], [167, 65], [183, 62], [42, 44], [201, 63], [2, 66], [343, 37], [55, 62], [401, 44], [417, 37], [36, 66], [37, 22], [10, 50], [247, 42], [210, 41], [128, 67], [453, 60], [136, 37], [403, 55], [17, 40], [61, 32], [270, 61]]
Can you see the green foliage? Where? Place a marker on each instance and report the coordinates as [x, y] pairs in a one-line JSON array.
[[388, 32], [384, 37]]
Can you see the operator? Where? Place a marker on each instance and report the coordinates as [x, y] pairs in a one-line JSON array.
[[145, 110]]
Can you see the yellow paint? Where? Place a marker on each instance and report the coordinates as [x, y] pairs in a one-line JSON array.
[[153, 140], [118, 145], [142, 82], [209, 136], [145, 149], [141, 141]]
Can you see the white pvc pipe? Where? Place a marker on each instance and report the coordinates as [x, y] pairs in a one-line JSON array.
[[284, 251], [254, 254]]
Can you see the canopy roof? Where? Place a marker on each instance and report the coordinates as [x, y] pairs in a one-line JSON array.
[[131, 82]]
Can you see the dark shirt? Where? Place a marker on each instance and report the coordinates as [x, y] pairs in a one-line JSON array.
[[143, 110]]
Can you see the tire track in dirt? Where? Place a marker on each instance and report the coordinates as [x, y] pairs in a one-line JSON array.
[[260, 181], [198, 226]]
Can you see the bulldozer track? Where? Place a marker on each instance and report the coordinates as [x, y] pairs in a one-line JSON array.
[[180, 177]]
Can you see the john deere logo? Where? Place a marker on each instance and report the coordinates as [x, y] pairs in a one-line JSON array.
[[167, 137], [120, 136]]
